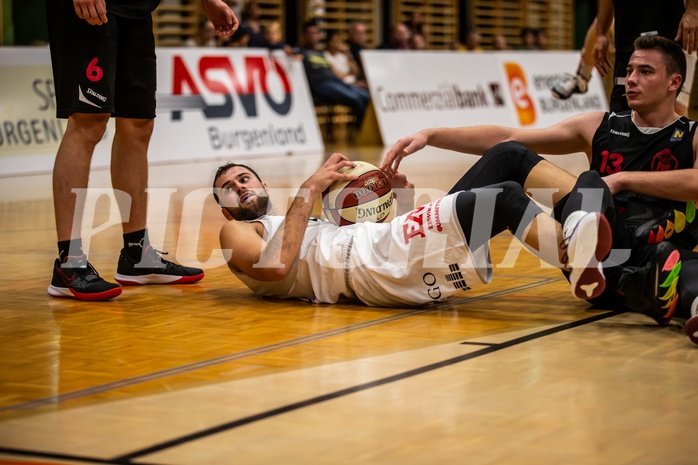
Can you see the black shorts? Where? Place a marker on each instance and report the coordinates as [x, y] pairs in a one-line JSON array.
[[102, 69]]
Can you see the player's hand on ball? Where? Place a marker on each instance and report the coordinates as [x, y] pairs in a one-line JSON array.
[[403, 147], [329, 172]]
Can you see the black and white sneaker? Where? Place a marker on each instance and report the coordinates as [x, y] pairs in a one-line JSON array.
[[153, 269], [651, 289], [588, 239], [571, 84], [76, 278], [691, 329]]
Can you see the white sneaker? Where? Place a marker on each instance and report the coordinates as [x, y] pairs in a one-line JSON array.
[[588, 238], [571, 84]]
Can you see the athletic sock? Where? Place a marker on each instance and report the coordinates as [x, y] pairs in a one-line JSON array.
[[135, 242], [71, 247]]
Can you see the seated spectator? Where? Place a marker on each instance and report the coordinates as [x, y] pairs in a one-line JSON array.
[[472, 41], [500, 42], [418, 42], [528, 39], [541, 39], [399, 38], [325, 86], [416, 23], [205, 37], [356, 40], [273, 37], [341, 61], [239, 39], [251, 14]]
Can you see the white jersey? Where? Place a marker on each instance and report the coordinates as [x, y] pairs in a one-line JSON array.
[[419, 257]]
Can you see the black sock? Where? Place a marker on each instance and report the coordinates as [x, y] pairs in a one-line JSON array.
[[135, 242], [71, 247]]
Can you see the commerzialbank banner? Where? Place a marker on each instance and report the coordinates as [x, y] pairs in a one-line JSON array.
[[211, 104], [416, 90]]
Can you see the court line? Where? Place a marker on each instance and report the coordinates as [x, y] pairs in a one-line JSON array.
[[73, 395], [127, 458]]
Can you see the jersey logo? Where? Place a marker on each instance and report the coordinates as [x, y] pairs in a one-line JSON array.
[[678, 135], [664, 161]]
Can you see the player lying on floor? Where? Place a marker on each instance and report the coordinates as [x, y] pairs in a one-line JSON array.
[[424, 255], [643, 162]]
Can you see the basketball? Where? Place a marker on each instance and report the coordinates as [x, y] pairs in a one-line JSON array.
[[367, 198]]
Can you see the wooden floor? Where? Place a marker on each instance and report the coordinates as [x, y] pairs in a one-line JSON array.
[[516, 372]]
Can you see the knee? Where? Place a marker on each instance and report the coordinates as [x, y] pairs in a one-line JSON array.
[[135, 129], [90, 126]]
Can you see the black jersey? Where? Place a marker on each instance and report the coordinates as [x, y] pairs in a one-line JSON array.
[[619, 145], [132, 8], [635, 17]]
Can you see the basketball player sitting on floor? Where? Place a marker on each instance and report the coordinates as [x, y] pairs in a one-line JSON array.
[[424, 255], [642, 161]]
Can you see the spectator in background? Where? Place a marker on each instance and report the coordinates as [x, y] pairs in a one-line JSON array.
[[500, 42], [541, 39], [473, 41], [205, 36], [273, 37], [528, 39], [239, 39], [325, 86], [418, 42], [341, 61], [357, 41], [399, 38], [250, 21], [416, 23]]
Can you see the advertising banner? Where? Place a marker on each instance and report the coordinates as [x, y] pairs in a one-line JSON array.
[[414, 90], [211, 104]]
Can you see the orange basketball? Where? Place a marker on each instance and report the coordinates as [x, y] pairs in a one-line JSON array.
[[367, 198]]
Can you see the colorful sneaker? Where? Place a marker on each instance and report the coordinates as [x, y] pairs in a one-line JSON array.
[[588, 239], [651, 289], [571, 84], [657, 230], [153, 269], [76, 278]]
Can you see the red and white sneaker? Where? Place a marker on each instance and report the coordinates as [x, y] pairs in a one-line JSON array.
[[588, 239], [76, 278]]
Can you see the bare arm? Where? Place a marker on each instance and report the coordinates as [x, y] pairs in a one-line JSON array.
[[272, 260], [222, 17], [604, 19], [688, 27], [571, 135]]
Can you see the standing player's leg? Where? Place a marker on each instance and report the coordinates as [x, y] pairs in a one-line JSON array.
[[136, 81], [81, 57]]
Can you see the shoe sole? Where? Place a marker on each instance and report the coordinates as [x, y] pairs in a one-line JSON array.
[[127, 280], [691, 329], [67, 293], [594, 240]]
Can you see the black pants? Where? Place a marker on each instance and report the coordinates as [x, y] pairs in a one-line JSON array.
[[512, 161]]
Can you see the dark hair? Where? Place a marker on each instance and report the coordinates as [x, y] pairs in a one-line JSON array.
[[674, 58], [223, 169], [308, 24]]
